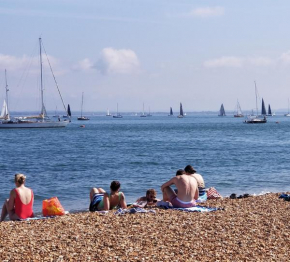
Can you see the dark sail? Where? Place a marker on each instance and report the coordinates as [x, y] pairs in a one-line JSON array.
[[171, 112], [181, 110], [222, 111], [263, 108], [68, 110], [269, 110]]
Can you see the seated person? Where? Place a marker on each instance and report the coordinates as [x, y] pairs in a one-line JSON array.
[[148, 200], [187, 191], [179, 172], [20, 203], [100, 200], [189, 170]]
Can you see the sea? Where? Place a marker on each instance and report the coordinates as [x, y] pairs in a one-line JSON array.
[[145, 152]]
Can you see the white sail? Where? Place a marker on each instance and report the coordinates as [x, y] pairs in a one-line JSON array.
[[4, 112]]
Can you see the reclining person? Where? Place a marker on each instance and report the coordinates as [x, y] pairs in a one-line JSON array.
[[100, 200], [148, 200], [187, 191]]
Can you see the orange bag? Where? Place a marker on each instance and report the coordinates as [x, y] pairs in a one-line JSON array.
[[52, 207]]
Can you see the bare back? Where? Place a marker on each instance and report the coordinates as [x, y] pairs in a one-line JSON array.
[[24, 194], [187, 188], [199, 179]]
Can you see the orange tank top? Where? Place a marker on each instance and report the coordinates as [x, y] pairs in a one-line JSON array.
[[23, 211]]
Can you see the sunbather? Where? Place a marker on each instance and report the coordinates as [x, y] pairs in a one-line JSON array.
[[20, 203], [100, 200], [187, 191], [189, 170], [148, 200]]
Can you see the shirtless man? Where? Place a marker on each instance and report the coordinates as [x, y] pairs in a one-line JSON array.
[[189, 170], [187, 191]]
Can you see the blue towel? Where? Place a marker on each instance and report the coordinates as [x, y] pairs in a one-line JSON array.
[[121, 211], [196, 209], [286, 197]]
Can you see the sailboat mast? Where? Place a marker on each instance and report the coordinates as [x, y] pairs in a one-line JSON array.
[[6, 87], [41, 79], [82, 104], [256, 98]]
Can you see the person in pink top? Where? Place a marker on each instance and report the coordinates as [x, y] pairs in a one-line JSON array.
[[20, 203]]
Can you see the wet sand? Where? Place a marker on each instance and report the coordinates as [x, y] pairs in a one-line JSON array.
[[249, 229]]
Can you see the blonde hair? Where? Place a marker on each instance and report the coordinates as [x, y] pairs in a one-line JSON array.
[[20, 179]]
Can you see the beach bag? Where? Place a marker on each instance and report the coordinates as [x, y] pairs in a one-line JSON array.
[[212, 193], [52, 207]]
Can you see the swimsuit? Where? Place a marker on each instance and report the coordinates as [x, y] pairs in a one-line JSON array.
[[201, 191], [23, 211], [97, 202], [176, 202]]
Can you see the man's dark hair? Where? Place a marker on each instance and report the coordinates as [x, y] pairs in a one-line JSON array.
[[189, 169], [115, 185], [180, 172]]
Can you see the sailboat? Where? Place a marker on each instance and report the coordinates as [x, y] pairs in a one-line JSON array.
[[38, 121], [288, 114], [108, 112], [239, 110], [118, 114], [256, 119], [82, 117], [270, 111], [4, 112], [263, 110], [143, 114], [222, 111], [149, 114], [55, 114], [181, 115], [170, 112]]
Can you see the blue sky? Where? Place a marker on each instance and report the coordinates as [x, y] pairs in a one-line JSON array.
[[160, 53]]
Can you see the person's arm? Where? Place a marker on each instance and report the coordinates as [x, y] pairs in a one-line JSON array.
[[168, 183], [11, 201], [106, 202], [123, 201]]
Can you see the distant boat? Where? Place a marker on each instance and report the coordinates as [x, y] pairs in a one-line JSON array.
[[288, 114], [263, 110], [143, 114], [36, 121], [149, 114], [82, 117], [170, 112], [108, 113], [256, 119], [270, 111], [239, 110], [181, 115], [222, 111], [118, 115], [55, 114]]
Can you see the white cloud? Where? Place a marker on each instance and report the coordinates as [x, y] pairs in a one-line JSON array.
[[225, 61], [232, 61], [122, 61], [285, 57], [24, 63], [206, 12], [83, 65]]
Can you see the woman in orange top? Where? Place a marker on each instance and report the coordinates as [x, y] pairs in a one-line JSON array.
[[20, 203]]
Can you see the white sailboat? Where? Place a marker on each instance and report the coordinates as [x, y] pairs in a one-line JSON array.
[[288, 114], [255, 119], [82, 117], [38, 121], [4, 112], [239, 110], [108, 112], [118, 115], [181, 115], [149, 114], [143, 114]]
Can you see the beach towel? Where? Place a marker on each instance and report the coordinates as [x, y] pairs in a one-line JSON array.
[[197, 209], [286, 197], [212, 193], [122, 211], [202, 198]]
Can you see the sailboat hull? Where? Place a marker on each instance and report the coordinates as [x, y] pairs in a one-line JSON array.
[[31, 124]]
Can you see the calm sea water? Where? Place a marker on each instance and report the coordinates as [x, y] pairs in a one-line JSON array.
[[143, 153]]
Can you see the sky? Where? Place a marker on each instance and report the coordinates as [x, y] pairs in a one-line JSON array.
[[157, 52]]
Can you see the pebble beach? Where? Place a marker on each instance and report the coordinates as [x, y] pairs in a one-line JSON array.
[[248, 229]]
